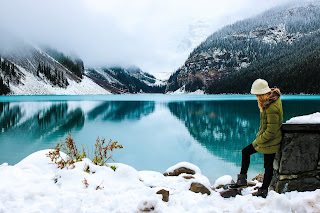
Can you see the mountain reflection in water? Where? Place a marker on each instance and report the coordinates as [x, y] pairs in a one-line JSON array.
[[156, 133], [223, 127]]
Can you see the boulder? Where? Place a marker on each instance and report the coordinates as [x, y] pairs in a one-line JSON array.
[[179, 171], [230, 193], [300, 153], [198, 187], [296, 167], [165, 194]]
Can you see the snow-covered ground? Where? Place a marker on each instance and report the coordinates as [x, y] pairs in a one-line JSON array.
[[32, 86], [306, 119], [37, 185], [182, 91]]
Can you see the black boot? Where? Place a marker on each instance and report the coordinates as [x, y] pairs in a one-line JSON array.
[[241, 181], [262, 193]]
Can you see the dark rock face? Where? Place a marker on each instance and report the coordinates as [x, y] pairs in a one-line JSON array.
[[297, 165], [179, 171], [300, 153], [198, 187], [299, 184]]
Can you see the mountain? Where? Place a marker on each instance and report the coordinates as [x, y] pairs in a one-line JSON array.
[[27, 70], [187, 37], [282, 45], [125, 80]]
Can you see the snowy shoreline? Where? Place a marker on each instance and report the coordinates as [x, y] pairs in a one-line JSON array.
[[36, 185]]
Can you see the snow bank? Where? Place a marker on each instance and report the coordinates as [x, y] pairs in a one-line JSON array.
[[37, 185], [305, 119]]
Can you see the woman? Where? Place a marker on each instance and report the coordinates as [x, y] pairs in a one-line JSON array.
[[269, 136]]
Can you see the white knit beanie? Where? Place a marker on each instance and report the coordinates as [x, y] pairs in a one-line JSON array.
[[260, 87]]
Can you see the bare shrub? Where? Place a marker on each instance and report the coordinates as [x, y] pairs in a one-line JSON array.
[[102, 152]]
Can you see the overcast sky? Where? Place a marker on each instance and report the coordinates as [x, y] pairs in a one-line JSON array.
[[155, 35]]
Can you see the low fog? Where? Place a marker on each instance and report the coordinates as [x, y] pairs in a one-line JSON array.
[[155, 35]]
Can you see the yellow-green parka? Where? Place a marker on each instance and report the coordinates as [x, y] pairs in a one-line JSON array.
[[269, 136]]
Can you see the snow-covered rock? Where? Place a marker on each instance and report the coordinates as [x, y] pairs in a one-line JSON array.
[[305, 119], [189, 167], [224, 180]]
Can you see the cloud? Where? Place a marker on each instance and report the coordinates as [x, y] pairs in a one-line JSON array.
[[156, 35]]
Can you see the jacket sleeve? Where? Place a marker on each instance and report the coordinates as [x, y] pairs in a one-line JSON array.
[[272, 127]]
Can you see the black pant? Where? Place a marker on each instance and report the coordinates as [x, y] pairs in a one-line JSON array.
[[268, 164]]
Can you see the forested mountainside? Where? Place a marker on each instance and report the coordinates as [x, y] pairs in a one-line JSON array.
[[26, 69], [29, 70], [14, 63], [75, 65], [281, 45], [125, 80]]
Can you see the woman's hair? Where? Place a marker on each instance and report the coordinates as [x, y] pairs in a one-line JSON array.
[[265, 99], [262, 99]]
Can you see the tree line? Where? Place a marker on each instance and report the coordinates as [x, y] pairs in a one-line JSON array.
[[54, 76], [131, 83], [75, 66], [8, 72]]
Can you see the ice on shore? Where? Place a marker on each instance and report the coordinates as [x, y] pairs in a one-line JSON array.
[[36, 185]]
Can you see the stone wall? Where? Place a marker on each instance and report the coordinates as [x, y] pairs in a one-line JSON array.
[[297, 164]]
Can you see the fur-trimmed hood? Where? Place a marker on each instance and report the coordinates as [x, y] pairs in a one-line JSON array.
[[274, 95]]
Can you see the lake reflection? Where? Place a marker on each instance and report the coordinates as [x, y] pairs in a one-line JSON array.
[[224, 128], [156, 133]]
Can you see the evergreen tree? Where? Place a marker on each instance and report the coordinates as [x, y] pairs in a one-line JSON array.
[[4, 89]]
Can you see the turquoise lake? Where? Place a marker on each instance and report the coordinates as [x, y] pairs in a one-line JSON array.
[[156, 131]]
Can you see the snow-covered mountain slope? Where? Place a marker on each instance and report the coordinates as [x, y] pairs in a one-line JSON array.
[[32, 86], [191, 35], [280, 32], [163, 76], [27, 70], [125, 80]]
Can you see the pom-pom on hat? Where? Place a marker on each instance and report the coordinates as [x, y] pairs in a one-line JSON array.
[[260, 87]]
